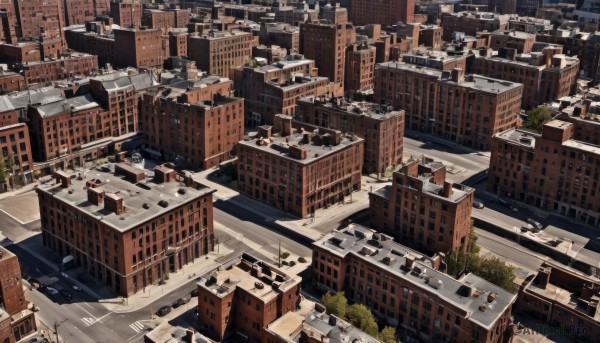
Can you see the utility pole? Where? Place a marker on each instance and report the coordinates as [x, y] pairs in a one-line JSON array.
[[56, 325], [279, 255]]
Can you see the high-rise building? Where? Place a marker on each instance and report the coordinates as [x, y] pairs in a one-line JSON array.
[[382, 129], [124, 229], [299, 171], [126, 14], [384, 12], [360, 68], [78, 12], [404, 288], [8, 22], [424, 210], [466, 109]]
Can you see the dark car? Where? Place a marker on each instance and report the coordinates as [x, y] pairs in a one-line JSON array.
[[34, 282], [163, 311], [66, 294], [177, 303], [194, 293]]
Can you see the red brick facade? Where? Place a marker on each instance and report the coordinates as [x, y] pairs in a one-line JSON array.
[[127, 15], [43, 73], [384, 12]]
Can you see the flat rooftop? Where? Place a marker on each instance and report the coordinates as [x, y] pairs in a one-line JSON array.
[[469, 294], [354, 108], [143, 201], [477, 82], [520, 137]]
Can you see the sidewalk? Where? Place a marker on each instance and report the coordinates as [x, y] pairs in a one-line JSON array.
[[27, 188]]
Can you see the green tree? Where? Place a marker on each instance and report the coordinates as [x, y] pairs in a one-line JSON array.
[[3, 173], [497, 272], [537, 117], [335, 304], [10, 162], [361, 317], [388, 335]]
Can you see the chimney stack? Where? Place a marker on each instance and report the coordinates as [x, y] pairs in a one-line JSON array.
[[447, 189], [113, 203], [458, 75], [542, 279], [265, 132], [95, 195], [189, 336]]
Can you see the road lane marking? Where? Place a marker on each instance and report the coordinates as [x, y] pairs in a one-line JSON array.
[[88, 321], [137, 326]]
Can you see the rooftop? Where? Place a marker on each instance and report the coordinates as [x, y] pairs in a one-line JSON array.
[[143, 201], [72, 55], [471, 294], [520, 137], [353, 108], [70, 105], [514, 33], [256, 277], [472, 81], [5, 254]]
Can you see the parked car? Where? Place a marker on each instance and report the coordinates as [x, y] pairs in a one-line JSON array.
[[51, 291], [508, 204], [478, 204], [537, 225], [163, 311], [194, 293], [66, 294], [182, 301]]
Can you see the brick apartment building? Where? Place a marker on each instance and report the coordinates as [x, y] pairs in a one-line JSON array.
[[67, 132], [203, 126], [443, 219], [405, 289], [157, 19], [430, 36], [178, 44], [299, 171], [126, 231], [219, 52], [553, 170], [466, 109], [245, 298], [78, 12], [435, 59], [44, 72], [360, 68], [472, 23], [575, 43], [520, 41], [15, 143], [546, 76], [384, 12], [11, 81], [559, 297], [126, 14], [8, 22], [38, 18], [273, 89], [382, 130], [326, 44], [281, 34], [16, 320]]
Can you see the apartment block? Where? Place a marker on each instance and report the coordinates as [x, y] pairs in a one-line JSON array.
[[140, 237], [435, 59], [78, 12], [424, 210], [281, 34], [126, 14], [546, 76], [405, 289], [157, 19], [471, 23], [16, 320], [203, 126], [11, 81], [44, 72], [138, 48], [15, 143], [246, 297], [430, 36], [554, 170], [382, 129], [384, 12], [522, 42], [326, 45], [178, 44], [466, 109], [360, 68], [38, 18], [273, 89], [219, 52], [559, 297], [8, 22], [299, 171]]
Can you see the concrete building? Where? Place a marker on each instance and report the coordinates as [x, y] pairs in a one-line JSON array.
[[472, 23], [384, 12], [17, 321], [44, 72], [245, 298], [204, 123], [126, 14], [382, 130], [559, 297], [520, 41], [360, 68], [273, 89], [546, 76], [219, 52], [424, 210], [124, 235], [554, 170], [326, 45], [405, 289], [299, 171], [466, 109]]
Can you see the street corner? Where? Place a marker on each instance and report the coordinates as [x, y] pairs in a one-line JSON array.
[[23, 208]]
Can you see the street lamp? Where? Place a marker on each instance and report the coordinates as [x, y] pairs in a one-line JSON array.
[[56, 325]]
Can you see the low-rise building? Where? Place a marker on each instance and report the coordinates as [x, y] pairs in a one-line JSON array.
[[246, 297], [520, 41], [11, 82], [124, 229], [472, 22], [297, 170], [382, 129], [424, 210], [44, 72]]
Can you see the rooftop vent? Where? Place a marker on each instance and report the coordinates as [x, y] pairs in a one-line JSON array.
[[181, 191], [146, 205], [259, 285], [163, 203]]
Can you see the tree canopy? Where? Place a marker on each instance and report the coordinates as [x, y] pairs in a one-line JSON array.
[[537, 117]]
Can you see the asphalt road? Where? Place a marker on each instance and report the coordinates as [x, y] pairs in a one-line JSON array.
[[463, 158], [509, 251]]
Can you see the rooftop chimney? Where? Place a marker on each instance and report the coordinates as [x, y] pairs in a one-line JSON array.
[[114, 203], [265, 131], [542, 279], [189, 336], [458, 75], [409, 262], [447, 192], [95, 195], [282, 125], [63, 178], [163, 174]]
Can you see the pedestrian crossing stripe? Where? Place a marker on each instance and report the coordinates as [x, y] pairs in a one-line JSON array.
[[137, 327], [88, 321]]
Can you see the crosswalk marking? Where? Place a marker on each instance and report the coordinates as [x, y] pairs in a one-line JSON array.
[[137, 327], [88, 321]]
